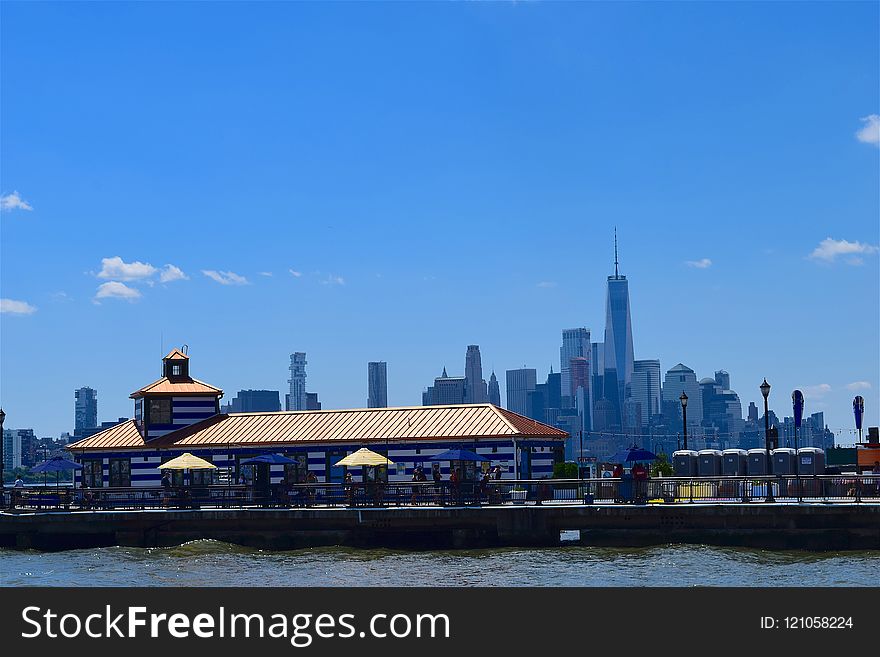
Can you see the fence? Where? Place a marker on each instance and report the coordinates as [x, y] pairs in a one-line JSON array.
[[671, 490]]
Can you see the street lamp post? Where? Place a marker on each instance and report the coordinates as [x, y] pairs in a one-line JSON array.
[[2, 484], [684, 417], [581, 455], [765, 391]]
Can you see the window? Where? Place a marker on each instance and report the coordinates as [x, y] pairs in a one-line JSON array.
[[93, 473], [120, 473], [175, 370], [202, 477], [160, 411], [295, 473]]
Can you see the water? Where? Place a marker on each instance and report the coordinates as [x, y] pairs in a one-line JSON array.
[[210, 563]]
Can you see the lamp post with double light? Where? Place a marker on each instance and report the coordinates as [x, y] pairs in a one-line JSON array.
[[765, 391], [684, 417]]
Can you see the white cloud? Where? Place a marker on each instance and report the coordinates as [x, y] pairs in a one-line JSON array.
[[702, 263], [547, 284], [333, 280], [225, 277], [265, 273], [829, 249], [816, 392], [870, 132], [172, 273], [858, 385], [116, 290], [294, 273], [118, 269], [13, 201], [13, 307]]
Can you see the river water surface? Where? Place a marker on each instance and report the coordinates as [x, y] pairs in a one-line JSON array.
[[209, 563]]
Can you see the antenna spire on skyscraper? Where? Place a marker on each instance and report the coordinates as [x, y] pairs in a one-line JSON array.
[[616, 274]]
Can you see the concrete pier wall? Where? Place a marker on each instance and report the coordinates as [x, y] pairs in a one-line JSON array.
[[780, 526]]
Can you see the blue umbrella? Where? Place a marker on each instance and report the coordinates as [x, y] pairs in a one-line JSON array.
[[271, 459], [633, 454], [458, 455], [57, 465]]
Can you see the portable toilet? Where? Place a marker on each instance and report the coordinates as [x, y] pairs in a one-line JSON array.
[[709, 463], [811, 461], [783, 461], [756, 464], [684, 463], [733, 462]]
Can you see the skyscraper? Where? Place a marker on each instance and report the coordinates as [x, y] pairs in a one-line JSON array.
[[475, 392], [255, 401], [682, 378], [519, 384], [448, 389], [598, 367], [580, 376], [618, 341], [296, 400], [86, 410], [575, 344], [377, 385], [494, 390], [646, 388]]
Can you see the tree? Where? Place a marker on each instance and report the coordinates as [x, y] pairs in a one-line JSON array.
[[661, 467]]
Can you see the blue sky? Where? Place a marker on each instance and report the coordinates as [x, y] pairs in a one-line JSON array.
[[436, 175]]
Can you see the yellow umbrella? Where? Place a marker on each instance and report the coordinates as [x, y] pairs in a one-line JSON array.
[[187, 461], [364, 456]]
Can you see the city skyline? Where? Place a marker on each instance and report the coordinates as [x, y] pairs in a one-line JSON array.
[[423, 222]]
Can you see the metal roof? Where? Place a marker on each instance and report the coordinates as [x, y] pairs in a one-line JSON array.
[[457, 422], [187, 386], [122, 435], [176, 354]]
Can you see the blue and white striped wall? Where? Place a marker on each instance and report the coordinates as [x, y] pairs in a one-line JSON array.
[[144, 464], [184, 412]]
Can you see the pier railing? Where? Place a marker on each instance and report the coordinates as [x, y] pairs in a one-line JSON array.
[[664, 490]]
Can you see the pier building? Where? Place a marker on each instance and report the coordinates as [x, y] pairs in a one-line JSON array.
[[178, 414]]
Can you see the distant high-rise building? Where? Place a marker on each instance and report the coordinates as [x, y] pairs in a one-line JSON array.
[[753, 412], [519, 384], [544, 401], [722, 378], [296, 401], [494, 390], [646, 388], [579, 378], [86, 410], [598, 367], [255, 401], [682, 378], [632, 415], [575, 344], [11, 449], [603, 415], [377, 385], [448, 389], [19, 448], [475, 392], [312, 403], [618, 340], [721, 409]]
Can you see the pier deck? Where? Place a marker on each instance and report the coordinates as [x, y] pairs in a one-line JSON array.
[[812, 526]]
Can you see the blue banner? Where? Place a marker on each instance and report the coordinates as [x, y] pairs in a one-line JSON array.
[[859, 410], [797, 400]]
